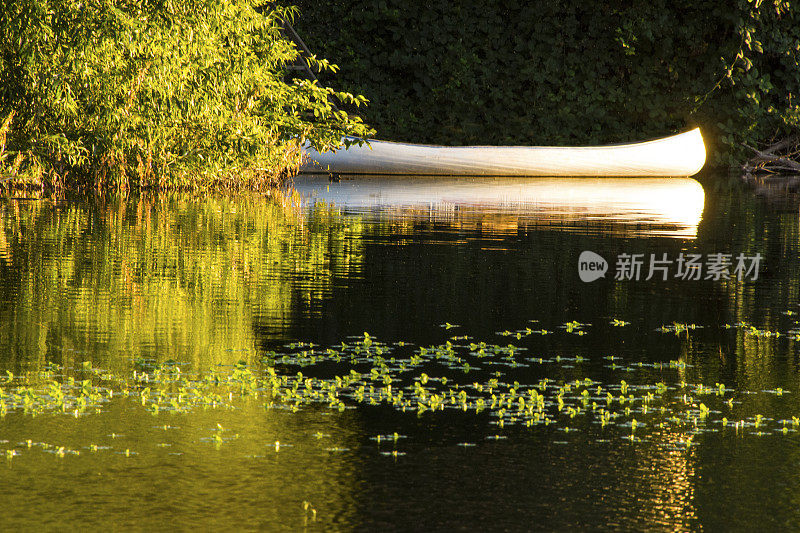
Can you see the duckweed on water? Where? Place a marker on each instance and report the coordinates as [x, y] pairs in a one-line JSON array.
[[479, 379]]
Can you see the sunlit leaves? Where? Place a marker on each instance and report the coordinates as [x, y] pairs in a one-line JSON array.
[[141, 93]]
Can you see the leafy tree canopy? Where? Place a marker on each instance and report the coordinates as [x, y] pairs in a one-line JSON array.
[[548, 72], [157, 93]]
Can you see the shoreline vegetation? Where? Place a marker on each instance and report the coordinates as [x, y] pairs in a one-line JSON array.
[[123, 95], [569, 72], [111, 95]]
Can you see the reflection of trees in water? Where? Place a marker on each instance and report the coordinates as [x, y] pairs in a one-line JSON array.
[[166, 277], [177, 278]]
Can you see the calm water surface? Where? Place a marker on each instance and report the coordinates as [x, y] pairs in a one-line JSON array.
[[107, 294]]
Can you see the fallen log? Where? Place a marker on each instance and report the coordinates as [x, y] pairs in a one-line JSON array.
[[777, 158]]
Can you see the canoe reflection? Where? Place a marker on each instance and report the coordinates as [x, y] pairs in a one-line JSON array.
[[639, 206]]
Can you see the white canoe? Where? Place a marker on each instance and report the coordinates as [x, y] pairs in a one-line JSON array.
[[679, 155]]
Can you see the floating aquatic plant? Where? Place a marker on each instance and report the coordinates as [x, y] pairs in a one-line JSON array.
[[677, 328], [462, 375], [309, 510]]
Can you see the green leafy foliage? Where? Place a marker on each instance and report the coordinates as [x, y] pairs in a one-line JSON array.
[[566, 71], [144, 93]]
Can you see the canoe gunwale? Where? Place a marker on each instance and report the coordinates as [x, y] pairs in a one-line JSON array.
[[588, 147]]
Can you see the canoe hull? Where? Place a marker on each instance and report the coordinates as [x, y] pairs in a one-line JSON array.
[[679, 155]]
